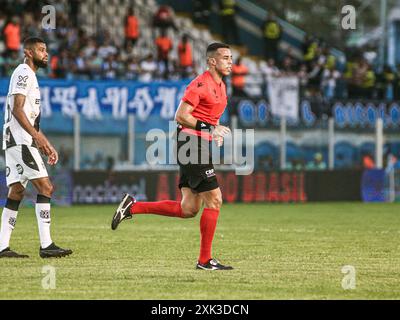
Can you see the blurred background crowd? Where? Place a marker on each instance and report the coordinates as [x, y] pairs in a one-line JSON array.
[[77, 54]]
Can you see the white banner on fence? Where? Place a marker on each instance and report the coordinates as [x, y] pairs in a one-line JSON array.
[[283, 95]]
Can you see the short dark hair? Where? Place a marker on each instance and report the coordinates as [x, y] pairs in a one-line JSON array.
[[213, 47], [31, 41]]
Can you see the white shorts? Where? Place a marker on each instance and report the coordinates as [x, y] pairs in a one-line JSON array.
[[24, 163]]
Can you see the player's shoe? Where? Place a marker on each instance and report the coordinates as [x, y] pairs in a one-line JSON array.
[[123, 211], [8, 253], [212, 264], [53, 251]]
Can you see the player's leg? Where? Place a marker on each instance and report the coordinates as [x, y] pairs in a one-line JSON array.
[[45, 190], [8, 220], [16, 183], [190, 203], [212, 204], [187, 208]]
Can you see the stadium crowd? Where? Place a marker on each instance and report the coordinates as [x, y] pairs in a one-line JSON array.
[[78, 55]]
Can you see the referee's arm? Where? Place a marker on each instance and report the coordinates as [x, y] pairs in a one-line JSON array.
[[184, 115]]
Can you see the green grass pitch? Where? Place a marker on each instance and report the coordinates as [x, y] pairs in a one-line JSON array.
[[279, 251]]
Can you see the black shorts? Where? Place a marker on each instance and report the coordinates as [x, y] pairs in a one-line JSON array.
[[196, 170]]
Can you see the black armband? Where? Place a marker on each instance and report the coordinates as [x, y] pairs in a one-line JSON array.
[[201, 125]]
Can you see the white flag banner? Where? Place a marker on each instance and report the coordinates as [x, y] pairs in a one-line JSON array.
[[283, 95]]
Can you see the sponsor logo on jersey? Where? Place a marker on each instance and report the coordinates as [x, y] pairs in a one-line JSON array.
[[22, 82], [210, 173], [20, 170]]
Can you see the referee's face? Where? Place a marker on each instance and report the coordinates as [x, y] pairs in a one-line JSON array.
[[223, 58], [40, 55]]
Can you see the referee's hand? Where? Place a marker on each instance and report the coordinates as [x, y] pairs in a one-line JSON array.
[[219, 133]]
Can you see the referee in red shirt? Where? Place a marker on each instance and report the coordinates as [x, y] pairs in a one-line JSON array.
[[198, 117]]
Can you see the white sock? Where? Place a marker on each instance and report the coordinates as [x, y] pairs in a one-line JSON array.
[[8, 219], [43, 219]]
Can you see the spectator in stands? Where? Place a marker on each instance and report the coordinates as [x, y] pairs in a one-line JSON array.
[[80, 67], [128, 53], [390, 161], [328, 59], [368, 161], [164, 18], [132, 68], [185, 57], [227, 12], [131, 28], [12, 36], [317, 163], [361, 79], [287, 67], [303, 79], [315, 79], [239, 72], [110, 67], [148, 68], [295, 62], [106, 49], [95, 64], [309, 50], [60, 64], [328, 82], [272, 33], [164, 47], [268, 69], [90, 47], [385, 83]]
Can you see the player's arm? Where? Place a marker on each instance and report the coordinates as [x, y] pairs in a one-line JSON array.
[[40, 139], [184, 115]]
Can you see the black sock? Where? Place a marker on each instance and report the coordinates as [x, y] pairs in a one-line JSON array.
[[12, 204], [42, 199]]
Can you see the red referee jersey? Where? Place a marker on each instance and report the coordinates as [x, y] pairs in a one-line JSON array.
[[207, 98]]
